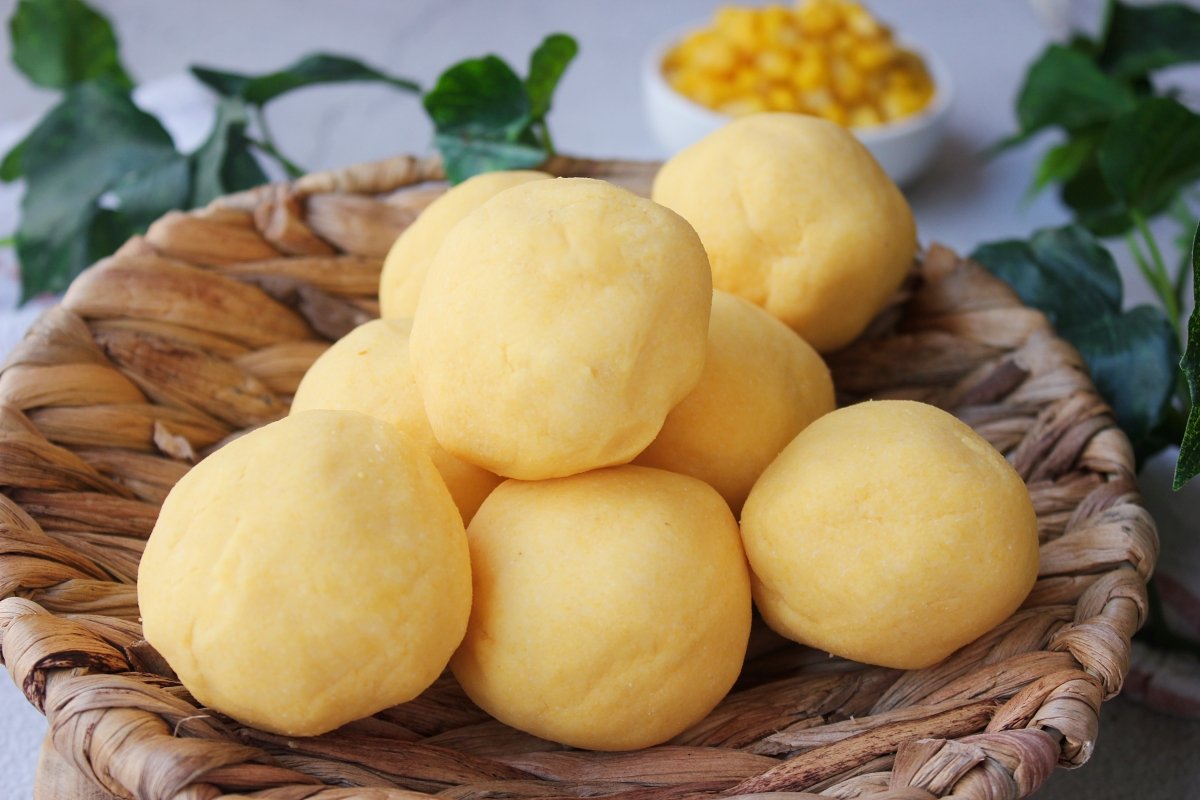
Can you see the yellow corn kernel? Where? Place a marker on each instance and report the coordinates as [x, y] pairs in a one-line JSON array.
[[714, 55], [835, 113], [860, 22], [843, 42], [898, 103], [743, 106], [812, 71], [819, 17], [744, 81], [738, 26], [815, 101], [775, 63], [781, 98], [872, 55], [848, 83], [865, 117]]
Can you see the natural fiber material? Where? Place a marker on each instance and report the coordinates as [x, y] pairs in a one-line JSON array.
[[203, 327]]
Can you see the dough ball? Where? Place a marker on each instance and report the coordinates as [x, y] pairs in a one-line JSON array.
[[409, 258], [762, 384], [310, 573], [368, 370], [612, 609], [559, 323], [891, 533], [796, 217]]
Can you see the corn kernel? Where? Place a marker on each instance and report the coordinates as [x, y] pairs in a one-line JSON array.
[[834, 113], [898, 103], [738, 26], [818, 17], [848, 83], [865, 117], [775, 64], [870, 56], [781, 98], [860, 22], [810, 73], [742, 106]]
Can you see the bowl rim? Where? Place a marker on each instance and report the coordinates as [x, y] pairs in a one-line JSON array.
[[936, 109]]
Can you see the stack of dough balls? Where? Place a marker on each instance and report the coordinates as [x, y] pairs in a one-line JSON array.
[[597, 383]]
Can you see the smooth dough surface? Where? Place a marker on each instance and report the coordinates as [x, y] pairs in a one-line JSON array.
[[798, 218], [891, 533], [310, 573], [612, 608], [559, 323], [409, 258], [369, 370], [762, 384]]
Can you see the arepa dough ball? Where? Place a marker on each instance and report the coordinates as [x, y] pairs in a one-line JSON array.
[[798, 218], [612, 608], [310, 573], [368, 370], [408, 259], [891, 533], [762, 384], [560, 322]]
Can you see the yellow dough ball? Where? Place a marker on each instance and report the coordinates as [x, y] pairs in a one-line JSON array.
[[310, 573], [368, 370], [409, 257], [762, 384], [798, 218], [612, 608], [891, 533], [559, 323]]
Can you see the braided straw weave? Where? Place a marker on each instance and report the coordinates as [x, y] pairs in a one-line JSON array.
[[203, 328]]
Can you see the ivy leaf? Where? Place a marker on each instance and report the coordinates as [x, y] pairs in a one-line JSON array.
[[312, 70], [1068, 275], [1092, 200], [546, 67], [61, 43], [96, 168], [1064, 88], [1150, 153], [1188, 464], [465, 157], [1142, 39], [1063, 162], [11, 168], [480, 96], [225, 163]]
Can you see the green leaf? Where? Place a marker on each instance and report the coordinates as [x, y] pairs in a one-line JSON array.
[[96, 167], [1063, 272], [1063, 162], [1065, 88], [1150, 153], [546, 67], [1095, 206], [1142, 39], [481, 97], [311, 70], [62, 43], [11, 168], [1068, 275], [1132, 358], [1188, 464], [225, 163], [465, 157]]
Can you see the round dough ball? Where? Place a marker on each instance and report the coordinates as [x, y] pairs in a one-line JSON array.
[[891, 533], [410, 255], [798, 218], [368, 370], [559, 323], [762, 384], [612, 609], [310, 573]]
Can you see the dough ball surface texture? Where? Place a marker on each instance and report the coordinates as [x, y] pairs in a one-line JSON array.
[[612, 608], [891, 533], [762, 384], [560, 322], [409, 258], [312, 572], [369, 370], [798, 218]]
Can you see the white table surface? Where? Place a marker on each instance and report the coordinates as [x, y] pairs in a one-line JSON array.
[[963, 199]]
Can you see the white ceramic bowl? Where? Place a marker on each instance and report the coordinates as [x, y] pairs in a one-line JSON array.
[[903, 148]]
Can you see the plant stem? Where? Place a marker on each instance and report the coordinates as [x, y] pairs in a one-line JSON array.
[[1161, 281], [8, 241], [270, 147]]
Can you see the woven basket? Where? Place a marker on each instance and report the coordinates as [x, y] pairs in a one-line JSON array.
[[203, 328]]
